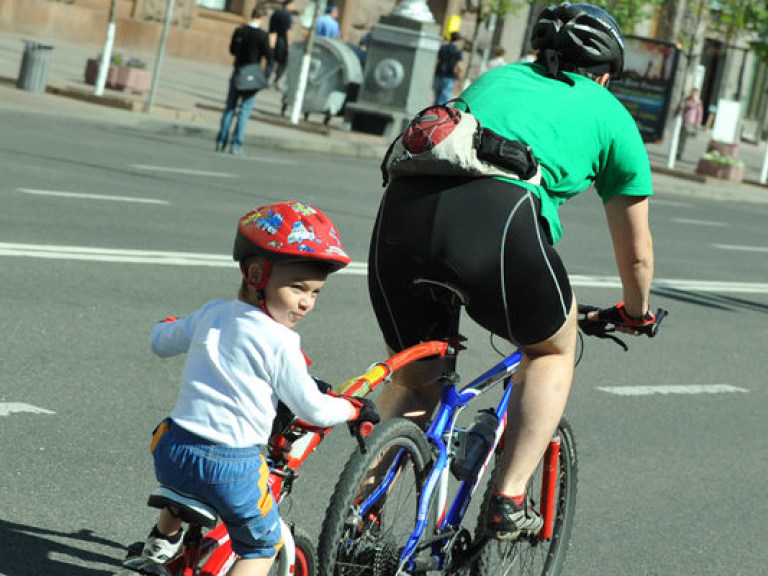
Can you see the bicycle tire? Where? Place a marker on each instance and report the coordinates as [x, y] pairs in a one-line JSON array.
[[350, 545], [306, 556], [531, 556]]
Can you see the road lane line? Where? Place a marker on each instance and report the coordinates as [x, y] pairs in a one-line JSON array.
[[187, 171], [84, 196], [658, 202], [669, 390], [584, 281], [700, 222], [85, 253], [8, 408], [741, 248], [56, 252]]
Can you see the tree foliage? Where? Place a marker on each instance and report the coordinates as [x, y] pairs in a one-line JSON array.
[[629, 13]]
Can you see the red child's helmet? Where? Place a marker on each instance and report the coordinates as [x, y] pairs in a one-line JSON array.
[[289, 232]]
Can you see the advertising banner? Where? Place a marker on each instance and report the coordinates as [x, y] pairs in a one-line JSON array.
[[647, 83]]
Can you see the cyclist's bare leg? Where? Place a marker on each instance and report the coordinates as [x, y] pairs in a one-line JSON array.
[[412, 392], [167, 523], [252, 566], [539, 396]]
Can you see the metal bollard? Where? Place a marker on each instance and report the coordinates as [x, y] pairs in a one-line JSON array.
[[33, 74]]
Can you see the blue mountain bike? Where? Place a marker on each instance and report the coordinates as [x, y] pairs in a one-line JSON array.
[[390, 513]]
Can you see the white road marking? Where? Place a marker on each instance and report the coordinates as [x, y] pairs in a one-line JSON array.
[[134, 256], [667, 390], [188, 171], [8, 408], [741, 248], [683, 285], [700, 222], [56, 252], [658, 202], [84, 196]]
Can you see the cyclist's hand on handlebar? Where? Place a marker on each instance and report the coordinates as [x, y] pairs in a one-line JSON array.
[[620, 320]]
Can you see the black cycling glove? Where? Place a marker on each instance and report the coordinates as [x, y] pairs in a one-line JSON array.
[[618, 315]]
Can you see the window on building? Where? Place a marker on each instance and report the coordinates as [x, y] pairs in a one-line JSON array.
[[222, 5]]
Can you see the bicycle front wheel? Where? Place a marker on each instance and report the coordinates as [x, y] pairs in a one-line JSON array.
[[373, 508], [535, 555]]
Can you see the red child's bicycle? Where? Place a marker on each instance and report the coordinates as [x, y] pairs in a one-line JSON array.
[[207, 550]]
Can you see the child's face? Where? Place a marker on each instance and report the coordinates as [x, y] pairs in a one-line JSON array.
[[292, 290]]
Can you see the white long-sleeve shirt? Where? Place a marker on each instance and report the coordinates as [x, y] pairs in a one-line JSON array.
[[239, 363]]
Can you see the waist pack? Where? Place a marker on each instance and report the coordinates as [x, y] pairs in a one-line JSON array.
[[444, 141]]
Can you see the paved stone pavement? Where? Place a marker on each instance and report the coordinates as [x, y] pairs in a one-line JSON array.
[[190, 96]]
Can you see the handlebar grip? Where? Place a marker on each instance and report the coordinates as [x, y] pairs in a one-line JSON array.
[[365, 429]]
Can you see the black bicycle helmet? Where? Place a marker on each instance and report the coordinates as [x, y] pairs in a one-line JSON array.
[[578, 38]]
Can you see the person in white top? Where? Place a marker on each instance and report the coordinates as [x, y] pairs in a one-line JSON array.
[[242, 357]]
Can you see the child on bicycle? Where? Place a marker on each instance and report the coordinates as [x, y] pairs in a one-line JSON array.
[[242, 357]]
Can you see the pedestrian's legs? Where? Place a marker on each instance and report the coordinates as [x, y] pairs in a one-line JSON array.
[[443, 89], [247, 101], [281, 66], [226, 118], [538, 401], [681, 140]]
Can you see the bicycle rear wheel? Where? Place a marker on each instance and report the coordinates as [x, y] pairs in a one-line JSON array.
[[534, 556], [353, 541]]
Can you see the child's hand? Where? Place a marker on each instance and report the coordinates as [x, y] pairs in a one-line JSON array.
[[364, 410]]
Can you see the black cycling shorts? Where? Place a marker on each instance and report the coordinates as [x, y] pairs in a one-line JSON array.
[[483, 236]]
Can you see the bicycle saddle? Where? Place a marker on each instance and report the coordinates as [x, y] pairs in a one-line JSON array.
[[189, 509]]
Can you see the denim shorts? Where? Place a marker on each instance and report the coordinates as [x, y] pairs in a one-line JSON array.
[[231, 480]]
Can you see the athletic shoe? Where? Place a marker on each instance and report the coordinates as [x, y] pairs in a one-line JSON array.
[[161, 549], [506, 521]]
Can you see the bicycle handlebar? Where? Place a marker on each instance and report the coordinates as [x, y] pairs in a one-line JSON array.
[[607, 329]]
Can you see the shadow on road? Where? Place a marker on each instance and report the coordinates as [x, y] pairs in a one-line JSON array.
[[31, 551], [711, 300]]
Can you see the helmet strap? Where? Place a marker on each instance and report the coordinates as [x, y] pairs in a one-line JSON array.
[[551, 61], [266, 270]]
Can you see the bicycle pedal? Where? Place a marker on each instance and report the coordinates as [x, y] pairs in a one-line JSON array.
[[146, 567]]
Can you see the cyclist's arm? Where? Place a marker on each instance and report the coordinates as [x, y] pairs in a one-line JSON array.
[[633, 248]]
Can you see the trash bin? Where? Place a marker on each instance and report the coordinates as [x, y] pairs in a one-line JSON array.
[[334, 75], [33, 74]]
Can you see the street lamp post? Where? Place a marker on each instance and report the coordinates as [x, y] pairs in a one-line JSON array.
[[160, 53], [106, 53]]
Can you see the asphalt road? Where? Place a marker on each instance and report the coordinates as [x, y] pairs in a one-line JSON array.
[[104, 231]]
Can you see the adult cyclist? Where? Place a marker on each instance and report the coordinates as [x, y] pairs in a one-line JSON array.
[[494, 238]]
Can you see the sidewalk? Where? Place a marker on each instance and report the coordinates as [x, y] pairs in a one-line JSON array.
[[190, 97]]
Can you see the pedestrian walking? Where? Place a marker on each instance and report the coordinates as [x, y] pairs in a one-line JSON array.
[[280, 24], [693, 114], [249, 45], [448, 69]]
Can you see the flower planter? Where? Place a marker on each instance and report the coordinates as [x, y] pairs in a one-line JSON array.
[[719, 170], [126, 78], [728, 149]]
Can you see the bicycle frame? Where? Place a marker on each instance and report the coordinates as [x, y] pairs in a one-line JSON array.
[[440, 435]]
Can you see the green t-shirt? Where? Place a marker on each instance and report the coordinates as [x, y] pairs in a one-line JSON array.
[[580, 134]]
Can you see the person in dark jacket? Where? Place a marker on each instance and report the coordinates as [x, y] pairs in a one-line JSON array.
[[448, 69], [249, 45], [280, 24]]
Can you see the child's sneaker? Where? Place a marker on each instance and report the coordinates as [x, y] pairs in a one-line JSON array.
[[162, 549], [507, 521]]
